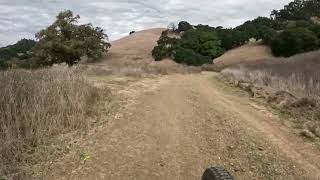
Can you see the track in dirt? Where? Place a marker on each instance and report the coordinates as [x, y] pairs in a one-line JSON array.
[[181, 124]]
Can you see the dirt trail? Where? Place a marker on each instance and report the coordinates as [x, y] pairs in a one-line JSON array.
[[181, 124]]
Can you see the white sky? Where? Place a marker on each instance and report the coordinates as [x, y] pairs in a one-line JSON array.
[[23, 18]]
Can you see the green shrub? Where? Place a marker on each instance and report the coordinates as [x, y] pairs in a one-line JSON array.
[[315, 28], [160, 52], [257, 27], [293, 41], [189, 57], [231, 38]]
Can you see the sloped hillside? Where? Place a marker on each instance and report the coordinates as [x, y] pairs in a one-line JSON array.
[[135, 46], [132, 56], [251, 52]]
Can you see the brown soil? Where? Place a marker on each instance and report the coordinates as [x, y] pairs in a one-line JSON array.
[[173, 127]]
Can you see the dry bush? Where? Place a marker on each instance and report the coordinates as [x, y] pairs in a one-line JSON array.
[[38, 105], [298, 75], [211, 67]]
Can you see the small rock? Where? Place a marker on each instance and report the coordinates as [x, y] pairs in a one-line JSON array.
[[306, 133], [244, 85], [260, 148], [161, 164], [230, 147]]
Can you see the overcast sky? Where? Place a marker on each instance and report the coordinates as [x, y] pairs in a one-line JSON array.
[[23, 18]]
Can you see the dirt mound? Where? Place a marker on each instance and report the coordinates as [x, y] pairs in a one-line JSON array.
[[251, 52]]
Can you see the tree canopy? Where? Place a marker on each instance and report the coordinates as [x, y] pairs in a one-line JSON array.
[[195, 47], [293, 41], [298, 10], [201, 42], [66, 42], [184, 26]]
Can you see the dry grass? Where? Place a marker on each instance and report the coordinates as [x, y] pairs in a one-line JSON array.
[[248, 53], [290, 84], [131, 56], [144, 68], [298, 75], [38, 105]]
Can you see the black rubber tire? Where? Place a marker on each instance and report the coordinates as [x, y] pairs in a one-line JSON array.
[[216, 173]]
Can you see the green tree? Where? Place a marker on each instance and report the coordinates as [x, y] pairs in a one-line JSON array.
[[201, 42], [297, 10], [184, 26], [66, 41], [164, 47], [195, 47], [258, 27]]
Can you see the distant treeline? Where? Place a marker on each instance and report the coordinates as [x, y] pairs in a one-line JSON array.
[[18, 51], [289, 31]]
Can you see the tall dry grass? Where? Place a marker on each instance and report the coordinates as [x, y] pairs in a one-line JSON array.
[[38, 105], [145, 68], [298, 75]]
